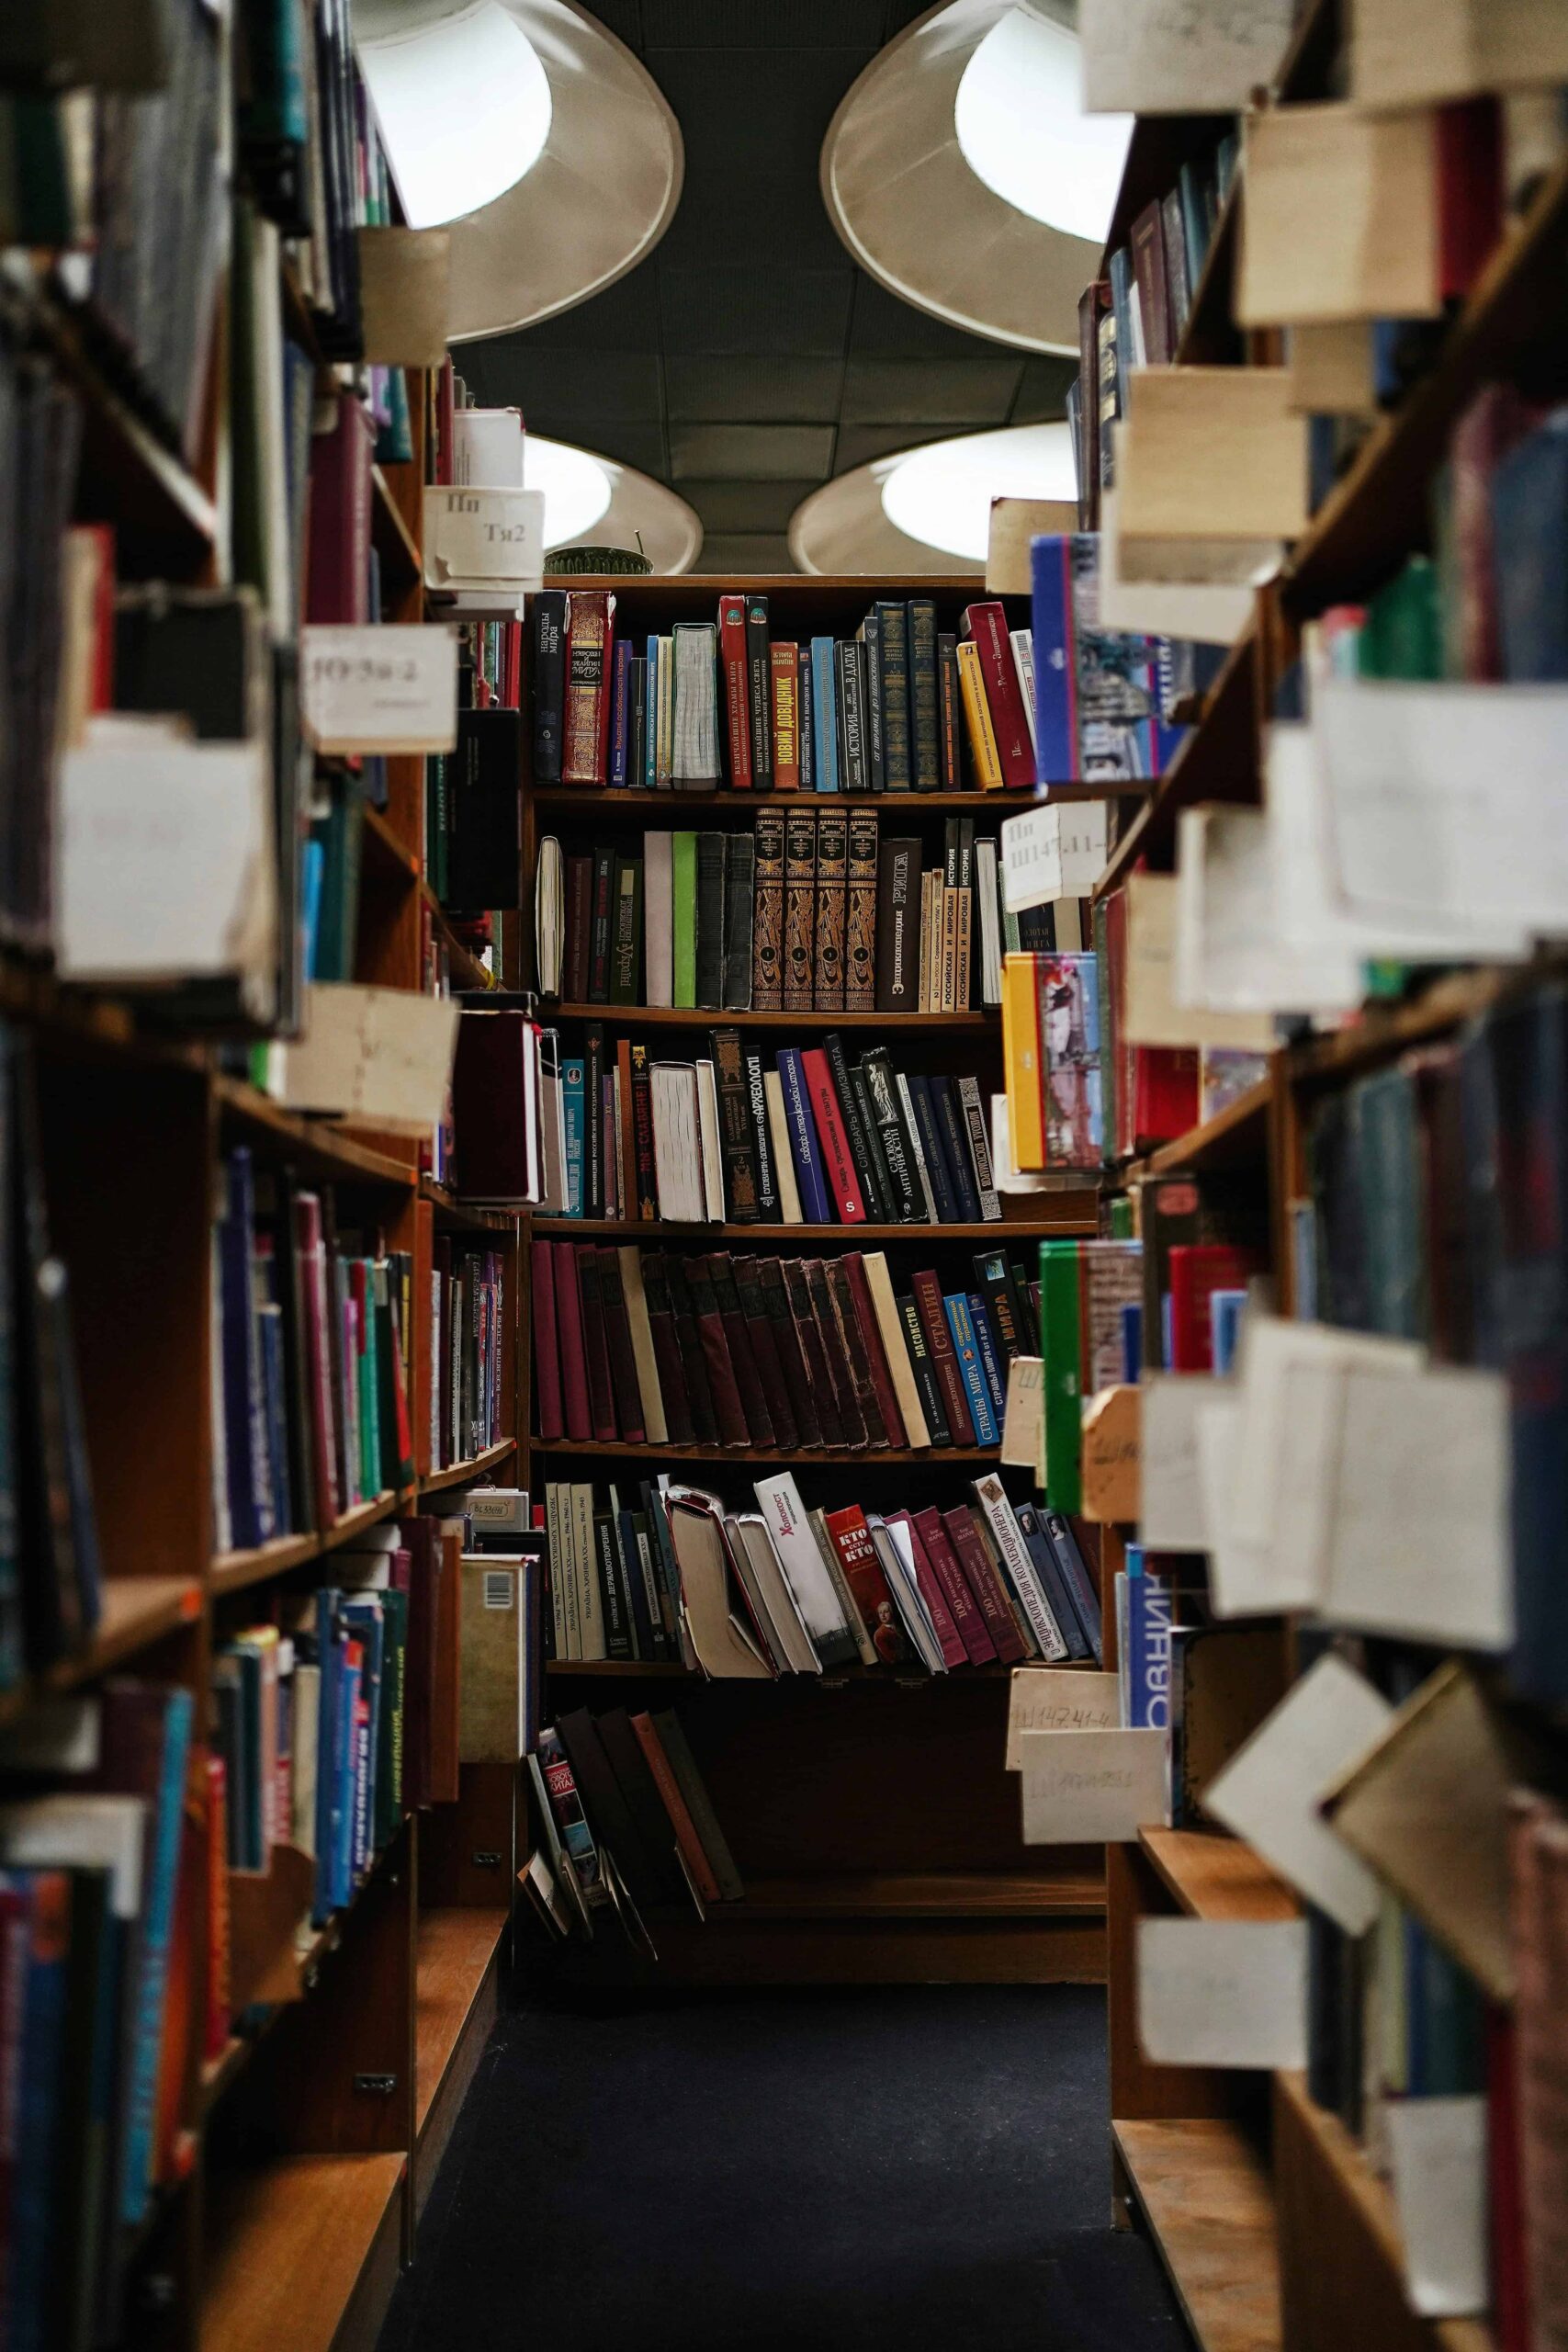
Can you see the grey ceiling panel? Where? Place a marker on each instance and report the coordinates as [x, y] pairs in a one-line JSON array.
[[738, 112], [886, 328], [764, 24], [941, 391], [614, 387], [624, 318], [727, 555], [789, 312], [642, 445], [622, 17], [749, 452], [858, 444], [779, 216], [747, 505], [737, 389]]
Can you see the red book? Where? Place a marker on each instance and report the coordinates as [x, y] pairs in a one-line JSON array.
[[1165, 1092], [1469, 192], [871, 1339], [217, 1860], [575, 1408], [547, 1343], [310, 1248], [729, 1411], [1198, 1268], [927, 1293], [589, 650], [742, 1355], [984, 1583], [691, 1846], [737, 688], [337, 580], [863, 1574], [1152, 294], [963, 1607], [1496, 422], [618, 1341], [986, 627], [667, 1351], [489, 1106], [577, 962], [1510, 2299], [954, 1648], [595, 1346], [785, 660], [813, 1355], [838, 1167]]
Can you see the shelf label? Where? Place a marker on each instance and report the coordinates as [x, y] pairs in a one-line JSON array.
[[482, 539], [382, 689]]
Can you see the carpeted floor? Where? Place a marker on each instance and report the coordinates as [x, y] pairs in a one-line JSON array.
[[877, 2170]]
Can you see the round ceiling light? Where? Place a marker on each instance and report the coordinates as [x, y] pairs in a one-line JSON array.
[[577, 486], [542, 140], [464, 107], [1022, 130], [590, 499], [961, 174], [941, 494]]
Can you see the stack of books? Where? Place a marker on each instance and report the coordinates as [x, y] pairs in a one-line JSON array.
[[664, 1348], [900, 706], [626, 1822]]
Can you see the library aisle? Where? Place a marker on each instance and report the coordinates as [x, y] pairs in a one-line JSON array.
[[784, 1174]]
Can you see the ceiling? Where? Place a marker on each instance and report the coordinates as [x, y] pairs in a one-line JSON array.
[[749, 360]]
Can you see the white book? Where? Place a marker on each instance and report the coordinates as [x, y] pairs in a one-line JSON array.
[[695, 753], [896, 1348], [86, 1830], [658, 917], [990, 926], [614, 1205], [712, 1158], [664, 739], [549, 936], [767, 1622], [531, 1108], [677, 1143], [555, 1537], [1023, 662], [761, 1554], [302, 1774], [552, 1125], [979, 1150], [906, 1594], [912, 1128], [585, 1566], [488, 447], [991, 1496], [783, 1158], [815, 1594]]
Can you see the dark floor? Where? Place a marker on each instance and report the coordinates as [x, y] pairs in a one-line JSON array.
[[880, 2170]]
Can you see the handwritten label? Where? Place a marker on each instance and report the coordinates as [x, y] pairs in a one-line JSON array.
[[1031, 869], [382, 689], [1047, 1698], [476, 538], [1023, 1422], [1092, 1788], [1222, 1992], [382, 1055], [1112, 1455]]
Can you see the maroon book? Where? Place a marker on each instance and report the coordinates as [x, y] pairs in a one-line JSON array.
[[875, 1355], [770, 1371], [1001, 1620], [1153, 291], [595, 1346], [490, 1112], [646, 1193], [421, 1539], [712, 1337], [547, 1342], [985, 626], [835, 1355], [742, 1355], [945, 1356], [575, 1409], [967, 1615], [337, 581], [693, 1360], [579, 930], [667, 1350], [787, 1348], [954, 1648], [618, 1340], [808, 1338]]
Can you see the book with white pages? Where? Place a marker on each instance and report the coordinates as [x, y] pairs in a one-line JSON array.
[[677, 1143], [707, 1130], [758, 1563], [724, 1642], [549, 930], [811, 1586], [899, 1571]]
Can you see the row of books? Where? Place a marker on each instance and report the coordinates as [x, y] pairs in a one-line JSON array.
[[358, 1704], [623, 1819], [1151, 1094], [473, 812], [781, 1589], [661, 1348], [900, 706], [310, 1349], [467, 1350], [810, 912]]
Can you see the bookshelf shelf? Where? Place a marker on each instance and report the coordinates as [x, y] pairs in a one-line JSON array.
[[1383, 1030], [393, 541], [936, 1894], [468, 972], [603, 800], [891, 1456], [1214, 1877], [1208, 331], [295, 2245], [667, 1016], [460, 1473], [445, 1203], [456, 1953], [658, 1231], [1238, 1133], [332, 1152], [383, 847], [137, 1611], [1217, 761], [232, 1571], [125, 464], [1204, 2192]]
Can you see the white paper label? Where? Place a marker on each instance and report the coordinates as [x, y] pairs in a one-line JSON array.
[[1032, 870], [1222, 1992], [1053, 1697], [1439, 2146], [474, 537], [1092, 1788], [380, 689]]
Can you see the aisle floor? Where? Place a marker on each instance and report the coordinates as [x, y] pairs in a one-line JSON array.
[[873, 2168]]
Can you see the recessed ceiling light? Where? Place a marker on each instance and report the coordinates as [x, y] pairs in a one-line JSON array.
[[577, 486], [941, 494], [464, 106], [1022, 128]]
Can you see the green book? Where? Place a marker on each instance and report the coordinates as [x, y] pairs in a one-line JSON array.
[[370, 1402], [1122, 1218], [1403, 635], [1062, 1346], [389, 1742], [683, 916]]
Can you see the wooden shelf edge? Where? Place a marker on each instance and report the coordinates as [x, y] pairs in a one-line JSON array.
[[482, 1931], [685, 1016], [915, 1895], [862, 1457], [473, 978], [618, 800], [1216, 1877], [1204, 2192], [388, 513], [445, 1203], [292, 2243], [654, 1232], [137, 1611], [668, 1669], [232, 1571], [339, 1154], [1225, 1133], [458, 1474], [382, 842]]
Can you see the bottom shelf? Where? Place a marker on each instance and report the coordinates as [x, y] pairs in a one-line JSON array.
[[939, 1894], [296, 2246], [455, 1950], [1204, 2191]]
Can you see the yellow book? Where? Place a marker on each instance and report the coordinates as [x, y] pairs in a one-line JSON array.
[[1021, 1063], [977, 716]]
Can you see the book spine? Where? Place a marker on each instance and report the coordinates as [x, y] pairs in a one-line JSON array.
[[933, 1403], [626, 931], [851, 680], [739, 916], [983, 744], [808, 1340], [985, 626], [746, 1276], [897, 926], [991, 1496], [785, 661], [787, 1346], [979, 1150], [759, 665], [588, 652], [547, 1343], [927, 1293], [924, 719], [968, 1618], [976, 1393], [667, 1354], [944, 1094], [834, 1356], [748, 1388], [871, 1349], [828, 1115], [876, 755], [646, 1182], [733, 659], [832, 875], [620, 715], [710, 925], [854, 1107], [594, 1120], [950, 716], [825, 715], [814, 1197], [761, 1140], [548, 684], [735, 1138], [929, 1141], [990, 1363], [768, 919], [859, 921], [893, 627], [800, 908], [806, 705]]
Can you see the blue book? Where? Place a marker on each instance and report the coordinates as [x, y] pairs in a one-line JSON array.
[[806, 725], [620, 711], [1226, 1307], [1054, 1584], [951, 1128], [964, 1347], [313, 866], [572, 1084], [344, 1770], [1119, 269], [1057, 1528], [650, 720], [1148, 1651], [985, 1340], [931, 1148], [367, 1624], [329, 1660], [1055, 718], [646, 1625], [825, 713], [1132, 1342], [273, 1390], [1529, 498], [157, 1936], [816, 1201], [1097, 691]]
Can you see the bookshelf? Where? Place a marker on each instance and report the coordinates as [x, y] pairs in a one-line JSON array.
[[1276, 2225], [876, 1836]]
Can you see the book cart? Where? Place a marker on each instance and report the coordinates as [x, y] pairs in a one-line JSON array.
[[1272, 2224]]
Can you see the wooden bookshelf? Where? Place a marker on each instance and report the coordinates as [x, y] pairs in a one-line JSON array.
[[668, 1016], [464, 1473], [1237, 1134], [1215, 1877], [233, 1571], [887, 1457], [603, 800], [1075, 1213], [457, 1964], [307, 2252], [1204, 2192]]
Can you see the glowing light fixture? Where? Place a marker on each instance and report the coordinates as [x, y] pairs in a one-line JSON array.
[[1023, 131], [465, 106], [577, 486], [941, 494]]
